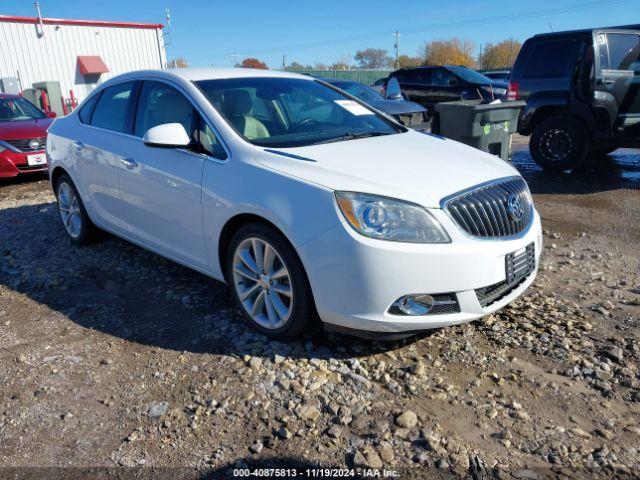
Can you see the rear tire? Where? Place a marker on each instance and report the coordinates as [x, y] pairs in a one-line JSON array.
[[268, 282], [75, 221], [559, 143]]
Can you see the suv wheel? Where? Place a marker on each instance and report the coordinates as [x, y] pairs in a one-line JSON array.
[[268, 282], [559, 143], [75, 220]]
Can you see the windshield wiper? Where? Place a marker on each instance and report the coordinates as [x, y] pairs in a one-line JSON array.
[[351, 136]]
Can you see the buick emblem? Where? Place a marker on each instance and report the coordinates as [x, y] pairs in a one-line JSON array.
[[515, 208], [34, 144]]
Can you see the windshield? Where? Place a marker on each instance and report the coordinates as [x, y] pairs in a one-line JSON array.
[[469, 75], [290, 112], [15, 109], [364, 93]]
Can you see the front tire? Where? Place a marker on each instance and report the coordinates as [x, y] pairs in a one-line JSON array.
[[268, 282], [75, 220], [559, 143]]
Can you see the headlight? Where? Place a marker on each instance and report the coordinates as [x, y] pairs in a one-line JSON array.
[[388, 219]]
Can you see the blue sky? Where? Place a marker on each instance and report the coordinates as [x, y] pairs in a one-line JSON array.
[[209, 32]]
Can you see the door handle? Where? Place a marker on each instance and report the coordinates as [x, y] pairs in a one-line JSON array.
[[129, 163], [77, 144]]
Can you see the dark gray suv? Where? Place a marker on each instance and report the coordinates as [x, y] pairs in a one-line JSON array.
[[582, 90]]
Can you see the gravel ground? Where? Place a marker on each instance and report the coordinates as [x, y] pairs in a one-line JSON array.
[[114, 357]]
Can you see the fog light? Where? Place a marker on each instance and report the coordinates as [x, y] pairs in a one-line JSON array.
[[415, 304]]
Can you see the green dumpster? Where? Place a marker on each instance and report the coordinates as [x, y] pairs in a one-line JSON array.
[[486, 126]]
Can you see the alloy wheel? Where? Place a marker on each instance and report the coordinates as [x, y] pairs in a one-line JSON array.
[[69, 210], [263, 283], [556, 144]]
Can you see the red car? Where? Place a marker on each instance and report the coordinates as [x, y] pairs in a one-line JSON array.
[[23, 136]]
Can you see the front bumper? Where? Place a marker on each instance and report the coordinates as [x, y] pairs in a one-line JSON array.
[[14, 163], [355, 279]]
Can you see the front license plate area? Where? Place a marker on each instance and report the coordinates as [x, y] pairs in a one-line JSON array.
[[520, 264], [37, 159]]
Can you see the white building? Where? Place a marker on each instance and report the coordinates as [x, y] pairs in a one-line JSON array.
[[79, 54]]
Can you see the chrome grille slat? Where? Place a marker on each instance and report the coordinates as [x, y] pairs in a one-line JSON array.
[[469, 218], [483, 211], [493, 221], [22, 144], [495, 209]]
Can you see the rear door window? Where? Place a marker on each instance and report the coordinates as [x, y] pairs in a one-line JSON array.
[[550, 59], [619, 51], [87, 109], [111, 110], [417, 76], [443, 78]]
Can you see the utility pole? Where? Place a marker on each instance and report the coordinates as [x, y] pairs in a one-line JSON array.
[[397, 47]]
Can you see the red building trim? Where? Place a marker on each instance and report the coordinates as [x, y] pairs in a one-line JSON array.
[[91, 65], [80, 23]]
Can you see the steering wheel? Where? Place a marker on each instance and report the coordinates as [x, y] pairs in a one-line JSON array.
[[307, 122]]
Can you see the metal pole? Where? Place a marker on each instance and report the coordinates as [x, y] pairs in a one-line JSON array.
[[41, 31], [397, 47]]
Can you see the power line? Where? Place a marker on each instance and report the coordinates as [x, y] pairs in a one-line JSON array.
[[441, 26]]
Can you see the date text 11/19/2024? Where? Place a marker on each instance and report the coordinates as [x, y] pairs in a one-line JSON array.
[[314, 473]]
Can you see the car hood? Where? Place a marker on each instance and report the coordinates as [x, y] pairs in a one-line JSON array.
[[410, 166], [24, 129], [396, 107]]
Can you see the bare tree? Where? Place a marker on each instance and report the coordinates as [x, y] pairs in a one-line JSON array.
[[179, 62]]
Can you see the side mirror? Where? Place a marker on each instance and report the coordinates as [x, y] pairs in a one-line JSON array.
[[51, 114], [167, 135], [393, 91]]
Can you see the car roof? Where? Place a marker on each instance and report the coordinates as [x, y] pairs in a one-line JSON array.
[[336, 80], [430, 66], [586, 31], [197, 74], [9, 95]]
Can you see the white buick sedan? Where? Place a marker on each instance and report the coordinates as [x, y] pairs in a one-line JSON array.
[[302, 198]]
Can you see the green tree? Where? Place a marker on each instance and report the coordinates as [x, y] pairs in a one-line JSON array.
[[295, 66], [375, 58]]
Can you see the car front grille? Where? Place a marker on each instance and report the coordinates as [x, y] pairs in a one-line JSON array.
[[27, 168], [23, 144], [497, 209], [487, 296]]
